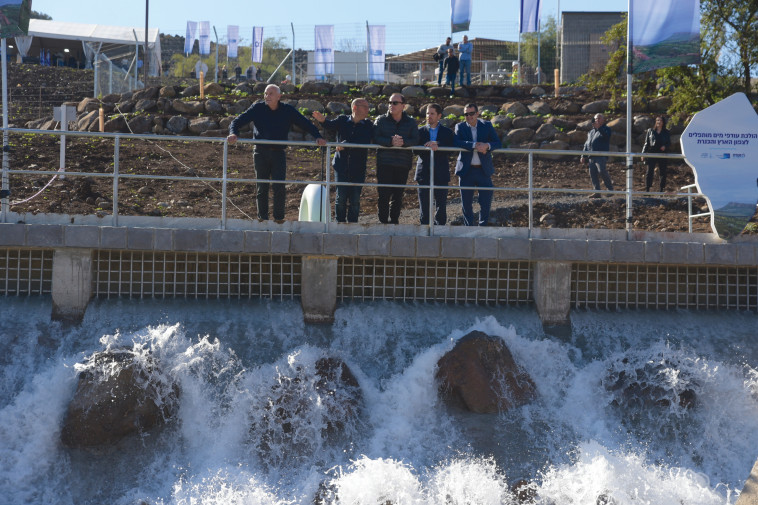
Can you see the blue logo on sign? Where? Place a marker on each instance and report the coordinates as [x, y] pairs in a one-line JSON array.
[[376, 52], [724, 156]]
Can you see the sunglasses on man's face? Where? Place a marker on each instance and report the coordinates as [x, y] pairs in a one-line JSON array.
[[395, 103], [469, 114]]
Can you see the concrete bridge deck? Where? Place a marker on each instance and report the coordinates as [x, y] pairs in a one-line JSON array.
[[553, 268]]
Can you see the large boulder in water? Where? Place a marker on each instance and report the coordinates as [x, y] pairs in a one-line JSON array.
[[309, 406], [480, 374], [119, 392]]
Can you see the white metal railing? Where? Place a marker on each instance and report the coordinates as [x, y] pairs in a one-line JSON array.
[[328, 183]]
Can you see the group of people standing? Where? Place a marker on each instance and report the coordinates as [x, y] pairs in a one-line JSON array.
[[657, 141], [272, 120], [450, 63]]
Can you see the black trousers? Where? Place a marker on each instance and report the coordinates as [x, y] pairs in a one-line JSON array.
[[662, 166], [270, 164], [391, 199], [440, 205]]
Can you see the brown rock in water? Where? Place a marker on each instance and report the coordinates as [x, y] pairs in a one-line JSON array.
[[479, 374], [120, 393], [308, 404]]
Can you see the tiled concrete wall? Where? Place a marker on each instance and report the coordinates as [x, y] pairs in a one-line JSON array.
[[681, 249]]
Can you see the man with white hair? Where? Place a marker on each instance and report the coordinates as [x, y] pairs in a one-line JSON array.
[[272, 121], [598, 139]]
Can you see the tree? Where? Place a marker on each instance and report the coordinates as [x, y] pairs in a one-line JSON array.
[[737, 23], [40, 15], [547, 37]]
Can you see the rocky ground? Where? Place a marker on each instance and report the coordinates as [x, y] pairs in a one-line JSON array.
[[196, 161]]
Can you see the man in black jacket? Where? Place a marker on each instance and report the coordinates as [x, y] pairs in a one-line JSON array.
[[398, 130], [272, 121], [434, 135], [350, 163], [451, 65]]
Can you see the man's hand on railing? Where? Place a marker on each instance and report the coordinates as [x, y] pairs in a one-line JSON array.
[[231, 139], [321, 141], [431, 145]]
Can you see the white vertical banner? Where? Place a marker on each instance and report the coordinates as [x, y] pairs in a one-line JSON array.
[[189, 39], [232, 38], [324, 57], [376, 53], [257, 44], [530, 16], [460, 15], [204, 35]]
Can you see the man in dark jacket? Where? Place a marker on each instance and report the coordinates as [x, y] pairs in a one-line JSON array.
[[598, 139], [350, 163], [451, 65], [475, 166], [398, 130], [272, 121], [434, 135]]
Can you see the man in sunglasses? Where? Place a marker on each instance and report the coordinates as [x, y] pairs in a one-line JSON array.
[[475, 167], [398, 130]]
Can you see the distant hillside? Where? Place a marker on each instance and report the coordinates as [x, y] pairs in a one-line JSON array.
[[734, 209]]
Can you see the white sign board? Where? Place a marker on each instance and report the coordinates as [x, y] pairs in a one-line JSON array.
[[70, 113], [721, 146]]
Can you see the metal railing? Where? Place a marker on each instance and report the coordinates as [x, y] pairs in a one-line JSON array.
[[328, 183]]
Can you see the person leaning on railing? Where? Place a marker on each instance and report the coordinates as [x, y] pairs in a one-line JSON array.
[[433, 135], [272, 121], [475, 166], [349, 163], [394, 129]]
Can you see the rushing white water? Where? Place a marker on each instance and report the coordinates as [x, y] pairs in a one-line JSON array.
[[583, 441]]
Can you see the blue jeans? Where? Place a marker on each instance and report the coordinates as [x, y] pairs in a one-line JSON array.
[[476, 177], [442, 69], [465, 68], [597, 165], [451, 81], [348, 202]]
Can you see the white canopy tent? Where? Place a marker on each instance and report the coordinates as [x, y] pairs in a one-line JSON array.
[[57, 36]]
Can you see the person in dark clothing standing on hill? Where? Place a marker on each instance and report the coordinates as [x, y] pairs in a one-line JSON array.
[[394, 129], [350, 164], [451, 64], [657, 140], [272, 121], [440, 57], [598, 139]]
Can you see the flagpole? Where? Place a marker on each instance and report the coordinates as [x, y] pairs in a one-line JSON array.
[[518, 57], [294, 77], [629, 100], [368, 53]]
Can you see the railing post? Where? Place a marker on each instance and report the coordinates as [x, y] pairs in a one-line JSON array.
[[531, 192], [431, 193], [328, 188], [224, 172], [116, 147], [689, 208]]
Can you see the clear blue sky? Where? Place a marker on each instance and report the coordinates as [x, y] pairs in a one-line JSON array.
[[171, 17]]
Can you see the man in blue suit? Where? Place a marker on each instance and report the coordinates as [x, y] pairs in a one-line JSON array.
[[474, 167], [434, 135]]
